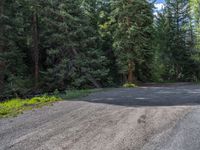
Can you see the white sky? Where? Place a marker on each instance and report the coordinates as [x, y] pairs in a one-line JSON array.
[[159, 6]]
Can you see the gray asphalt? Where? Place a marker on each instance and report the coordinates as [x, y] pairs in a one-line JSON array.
[[156, 117]]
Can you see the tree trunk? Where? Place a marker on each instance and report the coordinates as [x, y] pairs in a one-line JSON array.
[[35, 39], [130, 71], [2, 64], [130, 62]]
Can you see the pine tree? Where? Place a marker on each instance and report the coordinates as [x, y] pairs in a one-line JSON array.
[[12, 53], [99, 13], [195, 15], [195, 27], [161, 42], [175, 41], [2, 65], [73, 55], [133, 23], [181, 40]]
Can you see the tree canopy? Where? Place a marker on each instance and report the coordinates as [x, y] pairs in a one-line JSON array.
[[50, 45]]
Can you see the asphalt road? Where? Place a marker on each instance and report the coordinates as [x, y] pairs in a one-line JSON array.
[[155, 117]]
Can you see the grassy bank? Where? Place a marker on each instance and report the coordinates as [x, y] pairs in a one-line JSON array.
[[17, 106], [73, 94]]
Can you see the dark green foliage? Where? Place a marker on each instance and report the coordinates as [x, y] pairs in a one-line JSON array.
[[70, 54], [133, 23], [73, 58], [13, 55], [175, 43], [72, 44]]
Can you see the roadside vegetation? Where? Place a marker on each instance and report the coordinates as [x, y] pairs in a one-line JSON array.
[[129, 85], [16, 106], [13, 107], [85, 44]]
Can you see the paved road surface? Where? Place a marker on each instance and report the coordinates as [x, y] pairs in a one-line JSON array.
[[145, 118]]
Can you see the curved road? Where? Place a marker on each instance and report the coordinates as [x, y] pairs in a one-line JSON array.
[[146, 118]]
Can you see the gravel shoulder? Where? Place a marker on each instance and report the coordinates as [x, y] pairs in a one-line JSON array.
[[121, 119]]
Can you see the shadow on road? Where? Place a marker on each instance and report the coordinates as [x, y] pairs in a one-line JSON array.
[[154, 95]]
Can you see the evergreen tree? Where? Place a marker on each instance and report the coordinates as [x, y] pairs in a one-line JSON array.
[[2, 65], [47, 45], [195, 24], [99, 13], [195, 15], [12, 54], [133, 23], [176, 43], [73, 55], [160, 45]]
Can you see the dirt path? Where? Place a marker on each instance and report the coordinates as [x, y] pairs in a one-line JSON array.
[[120, 119]]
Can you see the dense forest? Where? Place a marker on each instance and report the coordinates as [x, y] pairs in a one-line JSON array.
[[49, 45]]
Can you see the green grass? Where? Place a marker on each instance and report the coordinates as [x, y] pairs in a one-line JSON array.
[[13, 107], [73, 94]]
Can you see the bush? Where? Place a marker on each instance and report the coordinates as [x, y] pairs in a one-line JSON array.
[[14, 107], [129, 85]]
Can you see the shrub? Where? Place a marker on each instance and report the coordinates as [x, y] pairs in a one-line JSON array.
[[14, 107], [129, 85]]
